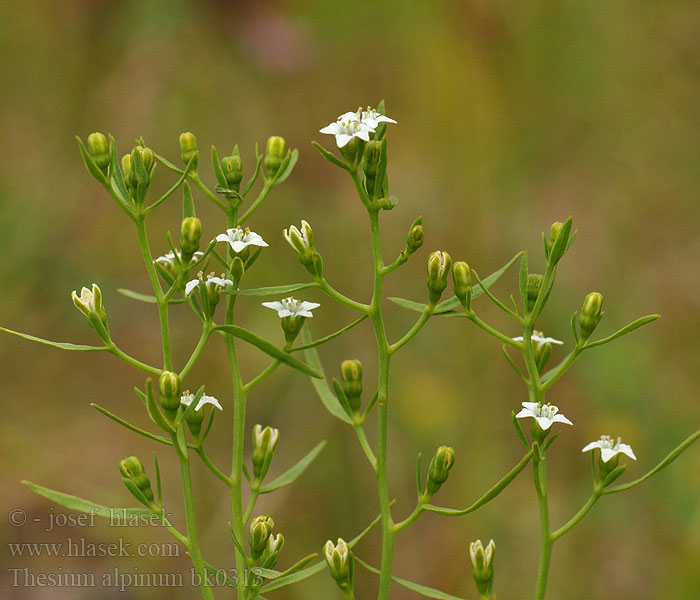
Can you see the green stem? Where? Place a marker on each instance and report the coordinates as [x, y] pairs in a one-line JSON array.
[[362, 438], [549, 379], [206, 332], [417, 512], [158, 292], [264, 374], [254, 495], [211, 466], [491, 331], [547, 539], [338, 297], [267, 186], [597, 491], [422, 320], [113, 349], [207, 192]]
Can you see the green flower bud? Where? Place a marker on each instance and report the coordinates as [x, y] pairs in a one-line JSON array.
[[274, 154], [133, 472], [462, 278], [373, 152], [440, 467], [554, 232], [129, 175], [237, 268], [340, 562], [169, 384], [98, 147], [272, 550], [534, 283], [415, 237], [233, 170], [482, 565], [260, 531], [351, 373], [90, 304], [188, 146], [591, 314], [302, 242], [264, 442], [352, 151], [542, 352], [147, 158], [190, 236], [439, 264]]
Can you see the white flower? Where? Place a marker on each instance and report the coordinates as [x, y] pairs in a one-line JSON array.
[[89, 301], [482, 557], [346, 128], [610, 448], [291, 307], [211, 281], [544, 414], [369, 117], [170, 260], [240, 238], [539, 339], [187, 399]]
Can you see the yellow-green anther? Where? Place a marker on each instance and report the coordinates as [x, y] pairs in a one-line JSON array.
[[188, 146], [482, 565], [132, 469], [591, 313], [260, 531], [190, 236], [351, 373], [98, 147], [169, 386], [274, 154], [439, 264], [534, 283], [440, 466], [461, 275], [233, 170], [264, 443], [339, 558]]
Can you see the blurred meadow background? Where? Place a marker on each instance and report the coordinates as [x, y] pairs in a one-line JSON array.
[[511, 115]]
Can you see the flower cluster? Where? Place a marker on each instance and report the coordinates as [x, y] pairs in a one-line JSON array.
[[357, 124]]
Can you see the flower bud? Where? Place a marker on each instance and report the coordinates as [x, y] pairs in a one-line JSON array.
[[190, 235], [542, 352], [339, 559], [462, 278], [260, 531], [146, 158], [534, 283], [237, 268], [188, 146], [98, 147], [554, 232], [302, 242], [440, 467], [129, 175], [291, 326], [351, 373], [169, 384], [272, 550], [90, 304], [591, 313], [233, 170], [439, 264], [133, 472], [482, 565], [414, 240], [264, 442], [274, 154]]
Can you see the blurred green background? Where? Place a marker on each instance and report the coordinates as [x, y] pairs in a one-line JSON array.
[[511, 115]]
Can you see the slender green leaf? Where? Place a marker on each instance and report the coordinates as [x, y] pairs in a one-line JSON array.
[[329, 337], [321, 385], [123, 423], [297, 566], [286, 170], [522, 283], [94, 170], [329, 156], [147, 297], [159, 487], [447, 307], [61, 345], [290, 475], [81, 505], [255, 174], [561, 245], [269, 348], [115, 173], [414, 587], [624, 331], [216, 165], [272, 290]]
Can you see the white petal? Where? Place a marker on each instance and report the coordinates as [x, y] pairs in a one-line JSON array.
[[525, 412], [342, 139], [591, 446], [208, 400], [384, 119], [607, 453], [274, 305], [223, 237], [331, 129], [304, 313], [544, 422], [257, 240], [561, 419], [626, 449], [309, 305], [238, 245], [530, 405], [518, 338], [348, 115], [190, 285], [363, 135]]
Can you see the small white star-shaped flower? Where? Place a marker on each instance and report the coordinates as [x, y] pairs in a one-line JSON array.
[[187, 399], [169, 260], [369, 117], [291, 307], [346, 128], [610, 448], [240, 238], [544, 414], [538, 338], [212, 280]]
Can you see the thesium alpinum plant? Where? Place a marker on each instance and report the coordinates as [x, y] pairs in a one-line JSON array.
[[208, 278]]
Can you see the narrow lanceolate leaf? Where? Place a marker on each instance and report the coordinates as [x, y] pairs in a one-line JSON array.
[[81, 505], [329, 337], [641, 322], [149, 299], [134, 428], [297, 566], [321, 385], [423, 590], [329, 156], [286, 169], [447, 308], [272, 290], [290, 475], [61, 345], [216, 165], [269, 348]]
